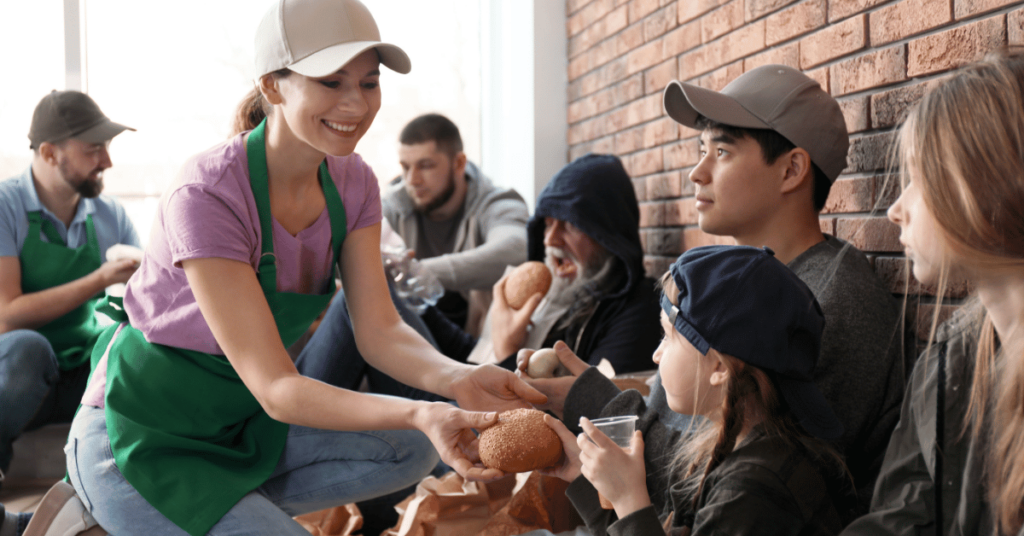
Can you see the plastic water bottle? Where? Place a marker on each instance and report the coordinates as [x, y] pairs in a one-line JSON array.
[[413, 283]]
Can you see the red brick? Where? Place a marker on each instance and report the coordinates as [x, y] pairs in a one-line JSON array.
[[834, 41], [657, 77], [954, 47], [645, 162], [758, 8], [681, 39], [609, 25], [578, 150], [580, 110], [654, 267], [639, 9], [588, 15], [691, 9], [664, 242], [969, 8], [906, 18], [644, 57], [889, 108], [686, 132], [721, 77], [869, 153], [821, 77], [794, 21], [659, 22], [640, 189], [855, 112], [721, 21], [840, 9], [664, 185], [850, 195], [603, 53], [643, 110], [828, 225], [1015, 27], [693, 237], [660, 132], [572, 6], [628, 39], [876, 68], [682, 154], [870, 234], [628, 141], [580, 65], [652, 214], [733, 46], [681, 212], [606, 99], [784, 55]]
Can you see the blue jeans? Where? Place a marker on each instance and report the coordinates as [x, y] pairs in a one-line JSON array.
[[33, 389], [318, 469]]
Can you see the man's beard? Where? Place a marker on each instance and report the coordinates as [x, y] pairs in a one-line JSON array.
[[442, 198], [588, 276], [83, 185]]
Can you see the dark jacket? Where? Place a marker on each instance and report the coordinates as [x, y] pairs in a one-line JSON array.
[[595, 194], [904, 501], [765, 486]]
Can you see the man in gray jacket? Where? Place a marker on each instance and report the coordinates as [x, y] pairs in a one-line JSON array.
[[462, 228]]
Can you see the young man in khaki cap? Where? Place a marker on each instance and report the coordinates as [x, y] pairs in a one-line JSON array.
[[772, 144], [55, 229]]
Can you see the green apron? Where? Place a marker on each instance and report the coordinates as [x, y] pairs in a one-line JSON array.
[[49, 264], [184, 430]]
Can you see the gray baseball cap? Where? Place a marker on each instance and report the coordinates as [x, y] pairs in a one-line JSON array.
[[70, 114], [774, 97]]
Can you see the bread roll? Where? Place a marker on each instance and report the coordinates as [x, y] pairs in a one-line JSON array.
[[520, 442], [526, 280]]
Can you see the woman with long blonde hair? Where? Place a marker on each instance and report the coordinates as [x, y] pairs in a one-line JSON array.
[[961, 216]]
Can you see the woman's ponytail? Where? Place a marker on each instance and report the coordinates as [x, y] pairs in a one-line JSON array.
[[251, 111]]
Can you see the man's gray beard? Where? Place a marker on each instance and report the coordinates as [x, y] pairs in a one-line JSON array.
[[584, 293]]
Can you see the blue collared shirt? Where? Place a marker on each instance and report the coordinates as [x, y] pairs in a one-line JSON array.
[[18, 197]]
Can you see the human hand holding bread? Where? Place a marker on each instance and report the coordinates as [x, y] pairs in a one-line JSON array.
[[514, 299], [555, 388]]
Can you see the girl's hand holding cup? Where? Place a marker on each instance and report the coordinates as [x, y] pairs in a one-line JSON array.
[[617, 472]]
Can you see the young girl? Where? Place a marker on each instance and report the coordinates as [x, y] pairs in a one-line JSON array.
[[196, 420], [742, 335], [961, 215]]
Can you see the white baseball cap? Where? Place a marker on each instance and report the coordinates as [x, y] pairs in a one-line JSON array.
[[317, 37]]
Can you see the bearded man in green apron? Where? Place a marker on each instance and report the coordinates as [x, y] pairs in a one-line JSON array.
[[55, 228]]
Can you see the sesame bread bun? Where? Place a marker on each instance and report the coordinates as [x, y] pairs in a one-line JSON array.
[[520, 442], [526, 280]]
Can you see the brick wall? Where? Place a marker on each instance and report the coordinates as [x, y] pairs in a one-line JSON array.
[[874, 56]]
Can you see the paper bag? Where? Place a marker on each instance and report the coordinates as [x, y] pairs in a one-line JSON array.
[[539, 504], [338, 521], [450, 506]]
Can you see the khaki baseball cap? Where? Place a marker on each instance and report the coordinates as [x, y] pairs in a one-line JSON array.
[[70, 114], [774, 97], [317, 37]]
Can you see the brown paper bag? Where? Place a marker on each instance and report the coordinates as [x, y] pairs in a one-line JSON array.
[[450, 506], [338, 521]]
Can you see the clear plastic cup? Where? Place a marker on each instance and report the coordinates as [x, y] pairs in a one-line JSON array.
[[620, 429]]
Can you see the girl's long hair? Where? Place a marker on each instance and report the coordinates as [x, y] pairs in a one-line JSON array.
[[964, 144], [749, 394]]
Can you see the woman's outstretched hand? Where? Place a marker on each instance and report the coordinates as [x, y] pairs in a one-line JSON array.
[[450, 429], [492, 388]]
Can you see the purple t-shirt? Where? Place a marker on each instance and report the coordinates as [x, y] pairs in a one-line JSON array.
[[210, 211]]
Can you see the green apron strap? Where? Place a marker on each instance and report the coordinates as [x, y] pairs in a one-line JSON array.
[[336, 211], [36, 219], [256, 152]]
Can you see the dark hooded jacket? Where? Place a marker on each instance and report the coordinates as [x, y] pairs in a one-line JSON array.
[[595, 194]]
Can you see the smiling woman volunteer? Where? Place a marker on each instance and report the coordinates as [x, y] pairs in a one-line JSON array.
[[195, 419]]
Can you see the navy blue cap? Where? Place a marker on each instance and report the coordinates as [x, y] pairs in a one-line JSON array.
[[745, 303]]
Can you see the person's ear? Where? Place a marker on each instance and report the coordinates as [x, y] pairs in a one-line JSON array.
[[798, 170], [720, 372], [271, 90], [459, 164], [48, 152]]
